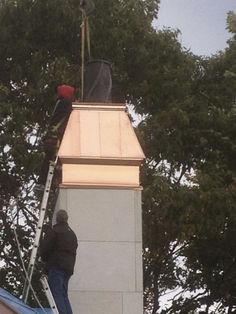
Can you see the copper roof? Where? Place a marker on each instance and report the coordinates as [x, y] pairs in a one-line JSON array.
[[100, 132]]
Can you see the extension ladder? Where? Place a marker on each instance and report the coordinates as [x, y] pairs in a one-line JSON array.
[[49, 295], [43, 207]]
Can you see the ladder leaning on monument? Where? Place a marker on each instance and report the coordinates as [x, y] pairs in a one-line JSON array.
[[49, 295], [33, 257]]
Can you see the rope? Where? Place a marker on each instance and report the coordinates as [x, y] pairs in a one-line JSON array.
[[82, 55], [85, 39], [88, 35], [21, 257], [25, 271]]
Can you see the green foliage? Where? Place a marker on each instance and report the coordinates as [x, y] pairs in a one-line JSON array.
[[189, 195], [188, 135], [40, 47], [231, 21]]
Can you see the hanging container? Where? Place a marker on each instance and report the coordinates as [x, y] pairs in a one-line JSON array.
[[97, 81]]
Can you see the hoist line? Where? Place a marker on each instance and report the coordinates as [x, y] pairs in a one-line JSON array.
[[82, 55], [85, 39], [88, 35]]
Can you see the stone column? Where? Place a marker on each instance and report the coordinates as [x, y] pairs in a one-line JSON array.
[[100, 189]]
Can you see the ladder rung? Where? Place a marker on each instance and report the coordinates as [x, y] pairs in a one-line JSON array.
[[49, 295]]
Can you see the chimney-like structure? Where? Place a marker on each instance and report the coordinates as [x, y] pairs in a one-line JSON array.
[[100, 189], [100, 148]]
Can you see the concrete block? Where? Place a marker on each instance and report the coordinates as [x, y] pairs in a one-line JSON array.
[[138, 267], [62, 199], [105, 266], [138, 215], [132, 303], [61, 203], [108, 276], [96, 302], [102, 215]]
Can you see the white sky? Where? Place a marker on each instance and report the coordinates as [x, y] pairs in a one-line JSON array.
[[201, 22]]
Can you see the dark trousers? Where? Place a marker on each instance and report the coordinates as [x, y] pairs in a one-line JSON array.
[[50, 149], [58, 280]]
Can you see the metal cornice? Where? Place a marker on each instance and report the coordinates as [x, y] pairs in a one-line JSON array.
[[98, 106]]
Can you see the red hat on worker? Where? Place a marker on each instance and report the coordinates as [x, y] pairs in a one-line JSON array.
[[66, 91]]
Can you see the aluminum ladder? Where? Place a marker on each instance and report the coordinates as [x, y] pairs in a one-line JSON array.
[[42, 212]]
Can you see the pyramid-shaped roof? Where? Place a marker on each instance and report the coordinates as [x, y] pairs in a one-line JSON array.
[[100, 132]]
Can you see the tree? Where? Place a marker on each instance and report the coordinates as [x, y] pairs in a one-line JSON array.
[[188, 135], [39, 49], [191, 139]]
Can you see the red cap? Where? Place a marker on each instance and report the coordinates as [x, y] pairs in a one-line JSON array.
[[66, 91]]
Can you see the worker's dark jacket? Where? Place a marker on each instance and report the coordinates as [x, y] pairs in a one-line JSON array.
[[54, 135], [58, 248], [61, 113]]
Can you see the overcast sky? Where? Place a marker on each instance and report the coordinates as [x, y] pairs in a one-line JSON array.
[[201, 22]]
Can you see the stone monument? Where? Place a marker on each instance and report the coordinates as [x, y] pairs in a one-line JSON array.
[[100, 157]]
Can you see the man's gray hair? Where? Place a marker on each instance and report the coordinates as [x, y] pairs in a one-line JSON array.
[[61, 216]]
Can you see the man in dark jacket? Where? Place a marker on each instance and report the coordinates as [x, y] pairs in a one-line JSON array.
[[58, 251]]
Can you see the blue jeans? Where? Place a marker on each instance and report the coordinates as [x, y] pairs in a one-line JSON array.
[[58, 280]]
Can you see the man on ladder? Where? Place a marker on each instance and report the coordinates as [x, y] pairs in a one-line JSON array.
[[57, 125], [58, 251]]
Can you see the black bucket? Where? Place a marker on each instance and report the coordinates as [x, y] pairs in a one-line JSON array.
[[97, 81]]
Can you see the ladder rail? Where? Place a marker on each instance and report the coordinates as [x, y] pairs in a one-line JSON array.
[[48, 294], [42, 213]]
